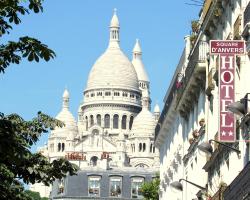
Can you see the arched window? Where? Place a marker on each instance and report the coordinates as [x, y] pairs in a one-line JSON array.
[[124, 121], [106, 121], [93, 161], [151, 148], [86, 122], [63, 146], [98, 119], [59, 147], [140, 147], [91, 120], [144, 147], [115, 121], [131, 122]]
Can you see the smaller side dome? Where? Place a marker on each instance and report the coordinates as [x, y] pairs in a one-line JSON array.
[[157, 108], [144, 124], [114, 21], [66, 117]]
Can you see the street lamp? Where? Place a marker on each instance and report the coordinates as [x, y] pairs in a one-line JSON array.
[[178, 186], [207, 148], [240, 107]]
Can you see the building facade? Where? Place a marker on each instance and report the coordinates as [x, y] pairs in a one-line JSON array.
[[190, 117], [112, 141]]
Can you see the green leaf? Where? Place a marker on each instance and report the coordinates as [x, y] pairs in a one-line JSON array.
[[36, 57], [31, 56]]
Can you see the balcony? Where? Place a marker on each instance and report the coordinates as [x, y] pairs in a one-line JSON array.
[[194, 78], [166, 110]]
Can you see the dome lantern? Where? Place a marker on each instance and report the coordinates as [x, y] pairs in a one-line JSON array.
[[114, 31]]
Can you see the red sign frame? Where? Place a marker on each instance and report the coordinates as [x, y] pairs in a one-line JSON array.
[[227, 51]]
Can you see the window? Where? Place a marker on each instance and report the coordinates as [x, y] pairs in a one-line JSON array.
[[115, 187], [86, 122], [60, 186], [140, 147], [63, 146], [151, 148], [115, 121], [125, 94], [93, 161], [98, 119], [131, 122], [107, 93], [124, 121], [116, 94], [106, 121], [144, 147], [92, 94], [99, 93], [136, 184], [91, 120], [132, 96], [59, 147], [94, 186]]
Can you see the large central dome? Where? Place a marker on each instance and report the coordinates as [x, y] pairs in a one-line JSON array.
[[113, 69]]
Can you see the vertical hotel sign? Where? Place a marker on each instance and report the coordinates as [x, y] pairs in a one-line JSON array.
[[227, 51]]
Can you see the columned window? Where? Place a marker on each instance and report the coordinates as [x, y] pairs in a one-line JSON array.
[[94, 186], [115, 121], [124, 121], [98, 119], [115, 187], [106, 121]]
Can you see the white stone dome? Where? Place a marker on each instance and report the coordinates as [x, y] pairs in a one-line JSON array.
[[70, 126], [144, 124], [113, 70], [66, 117]]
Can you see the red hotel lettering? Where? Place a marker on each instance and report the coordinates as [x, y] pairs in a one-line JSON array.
[[227, 125]]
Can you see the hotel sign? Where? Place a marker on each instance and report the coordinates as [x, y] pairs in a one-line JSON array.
[[227, 51]]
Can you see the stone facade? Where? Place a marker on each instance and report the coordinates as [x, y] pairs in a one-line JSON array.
[[114, 133], [191, 112]]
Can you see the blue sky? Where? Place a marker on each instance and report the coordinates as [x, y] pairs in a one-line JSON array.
[[78, 32]]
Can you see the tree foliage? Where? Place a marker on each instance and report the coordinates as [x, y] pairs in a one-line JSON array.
[[35, 195], [150, 190], [18, 164], [25, 47]]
